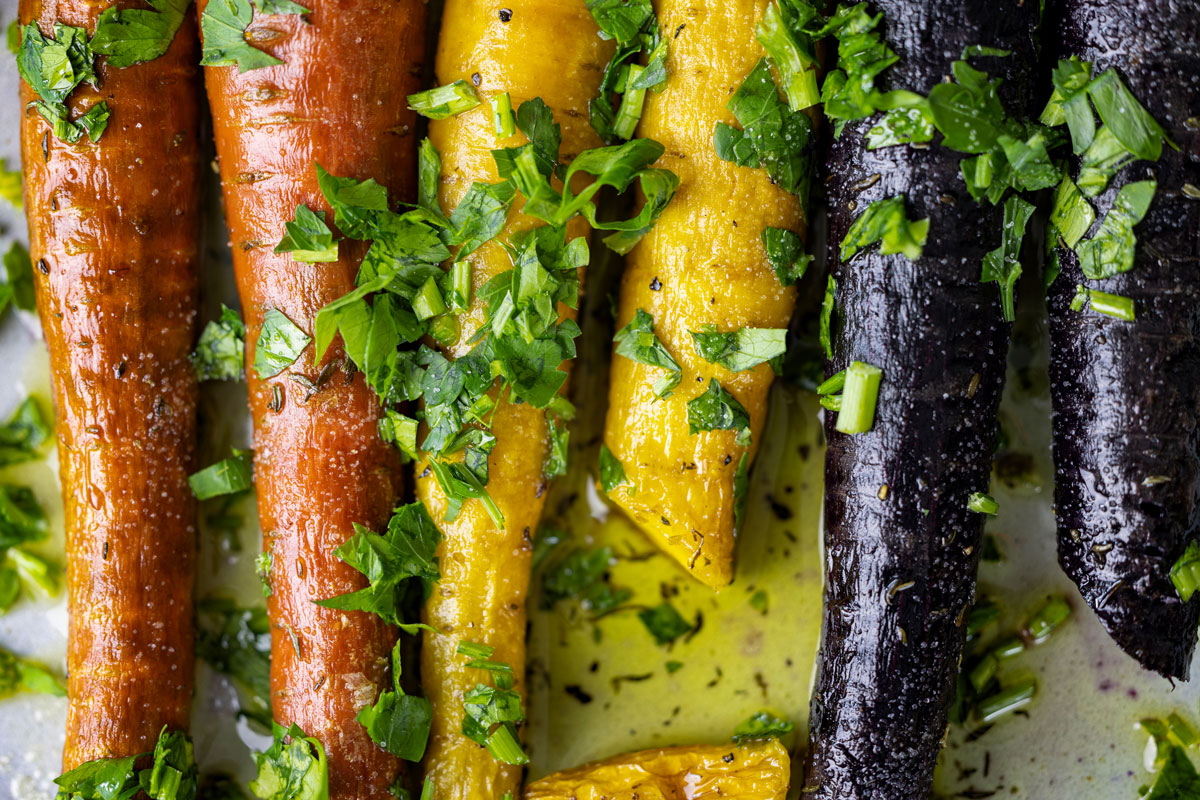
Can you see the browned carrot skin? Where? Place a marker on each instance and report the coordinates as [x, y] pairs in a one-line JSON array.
[[338, 99], [114, 231]]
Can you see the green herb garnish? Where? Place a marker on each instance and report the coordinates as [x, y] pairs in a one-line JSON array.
[[221, 351], [637, 342], [664, 623], [884, 221], [762, 725], [742, 349], [292, 768], [280, 343], [232, 475]]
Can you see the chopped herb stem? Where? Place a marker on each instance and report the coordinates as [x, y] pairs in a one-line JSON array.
[[503, 120], [982, 503], [1111, 305], [444, 101], [428, 301], [1007, 700], [1185, 573], [834, 384], [983, 672], [861, 392], [1054, 613], [632, 103]]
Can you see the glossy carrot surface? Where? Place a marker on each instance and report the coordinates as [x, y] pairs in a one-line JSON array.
[[114, 232], [338, 100]]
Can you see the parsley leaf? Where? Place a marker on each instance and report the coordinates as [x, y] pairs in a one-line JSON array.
[[280, 343], [172, 774], [907, 125], [968, 112], [479, 216], [718, 410], [1111, 250], [664, 623], [133, 35], [583, 574], [1071, 215], [399, 723], [612, 473], [1102, 160], [622, 20], [53, 68], [781, 34], [884, 221], [22, 436], [220, 352], [223, 25], [1003, 265], [232, 475], [762, 725], [22, 519], [308, 238], [18, 674], [849, 92], [406, 551], [633, 24], [1127, 119], [1178, 779], [772, 135], [785, 251], [742, 349], [637, 342], [557, 458], [1069, 102], [292, 768], [19, 271], [492, 713]]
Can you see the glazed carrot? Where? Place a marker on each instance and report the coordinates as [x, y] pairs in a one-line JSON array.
[[115, 238], [703, 264], [338, 100], [534, 48]]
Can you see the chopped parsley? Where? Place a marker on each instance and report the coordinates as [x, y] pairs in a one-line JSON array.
[[583, 574], [1110, 252], [53, 67], [1110, 305], [1178, 779], [129, 36], [22, 519], [406, 550], [236, 641], [718, 410], [221, 351], [785, 251], [399, 723], [781, 34], [772, 135], [292, 768], [492, 713], [24, 434], [229, 476], [664, 623], [20, 675], [615, 111], [1072, 215], [224, 24], [612, 473], [762, 725], [982, 503], [828, 306], [742, 349], [1003, 265], [307, 238], [171, 775], [10, 182], [1185, 572], [280, 343], [884, 221], [637, 342], [860, 393]]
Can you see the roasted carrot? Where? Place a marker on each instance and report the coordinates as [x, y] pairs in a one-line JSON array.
[[338, 100], [1125, 392], [703, 264], [757, 770], [115, 237], [532, 48]]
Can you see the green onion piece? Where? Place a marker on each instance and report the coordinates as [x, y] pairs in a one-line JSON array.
[[444, 101], [428, 301], [1051, 615], [982, 503], [1007, 700], [796, 65], [631, 105], [1008, 648], [445, 329], [1185, 574], [1182, 730], [1112, 305], [834, 384], [502, 115], [857, 414], [831, 402], [474, 650], [504, 747], [460, 286], [983, 672]]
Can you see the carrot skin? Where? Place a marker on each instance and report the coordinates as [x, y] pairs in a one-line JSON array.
[[1127, 394], [116, 239], [338, 100]]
